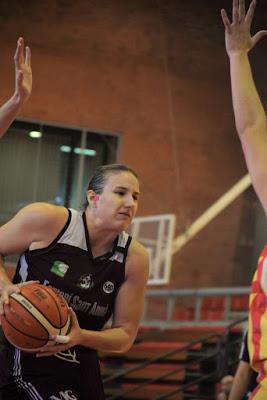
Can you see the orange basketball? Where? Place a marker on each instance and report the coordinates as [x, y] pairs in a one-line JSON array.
[[33, 315]]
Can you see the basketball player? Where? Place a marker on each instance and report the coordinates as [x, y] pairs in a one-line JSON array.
[[23, 87], [89, 259], [251, 126]]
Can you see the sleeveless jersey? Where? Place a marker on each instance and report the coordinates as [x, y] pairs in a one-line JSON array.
[[90, 286], [67, 265], [257, 332]]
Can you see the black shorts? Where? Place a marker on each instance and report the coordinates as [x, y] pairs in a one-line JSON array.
[[73, 375]]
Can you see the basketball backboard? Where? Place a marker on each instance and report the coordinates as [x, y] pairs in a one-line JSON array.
[[156, 233]]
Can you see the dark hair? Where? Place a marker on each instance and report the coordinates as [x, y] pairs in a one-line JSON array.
[[99, 178]]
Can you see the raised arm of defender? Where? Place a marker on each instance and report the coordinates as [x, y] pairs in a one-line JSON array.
[[23, 86], [250, 116]]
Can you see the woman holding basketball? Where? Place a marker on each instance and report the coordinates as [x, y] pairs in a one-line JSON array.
[[105, 274], [89, 259], [23, 87]]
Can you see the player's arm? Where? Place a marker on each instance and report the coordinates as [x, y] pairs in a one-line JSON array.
[[249, 114], [241, 381], [128, 307], [23, 87], [127, 313], [38, 224]]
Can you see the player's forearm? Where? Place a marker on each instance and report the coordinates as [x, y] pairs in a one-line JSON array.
[[248, 109], [8, 112], [113, 340], [237, 391], [241, 381]]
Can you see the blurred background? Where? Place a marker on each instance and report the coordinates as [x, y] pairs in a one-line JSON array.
[[144, 83]]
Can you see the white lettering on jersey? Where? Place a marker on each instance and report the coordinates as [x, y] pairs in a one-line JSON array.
[[98, 311], [80, 305], [77, 304], [68, 355], [64, 395]]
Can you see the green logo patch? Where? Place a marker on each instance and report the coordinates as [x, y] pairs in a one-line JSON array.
[[59, 268]]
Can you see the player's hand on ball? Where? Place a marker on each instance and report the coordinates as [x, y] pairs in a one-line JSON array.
[[7, 290], [61, 343]]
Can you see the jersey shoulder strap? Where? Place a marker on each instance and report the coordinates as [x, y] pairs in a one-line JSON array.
[[121, 247], [74, 235]]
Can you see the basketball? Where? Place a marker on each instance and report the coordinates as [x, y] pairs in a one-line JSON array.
[[33, 315]]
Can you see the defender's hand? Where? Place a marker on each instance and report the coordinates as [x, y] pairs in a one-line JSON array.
[[237, 33], [23, 71]]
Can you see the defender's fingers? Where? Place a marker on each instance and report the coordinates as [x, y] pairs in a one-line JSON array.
[[28, 56], [235, 12], [17, 52], [242, 10], [21, 51], [251, 12], [226, 21]]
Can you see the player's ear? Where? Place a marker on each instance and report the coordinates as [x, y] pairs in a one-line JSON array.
[[92, 197]]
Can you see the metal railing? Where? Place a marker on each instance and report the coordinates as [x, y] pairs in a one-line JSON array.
[[122, 374], [219, 353], [170, 297]]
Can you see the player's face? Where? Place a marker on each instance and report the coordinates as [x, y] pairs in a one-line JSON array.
[[117, 205]]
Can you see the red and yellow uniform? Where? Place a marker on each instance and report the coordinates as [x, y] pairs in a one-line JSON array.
[[257, 332]]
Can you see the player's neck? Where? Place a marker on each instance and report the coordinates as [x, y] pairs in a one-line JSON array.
[[101, 237]]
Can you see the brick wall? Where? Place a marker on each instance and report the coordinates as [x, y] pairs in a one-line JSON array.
[[157, 73]]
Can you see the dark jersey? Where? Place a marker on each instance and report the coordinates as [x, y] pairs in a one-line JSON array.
[[90, 286], [67, 265], [244, 355]]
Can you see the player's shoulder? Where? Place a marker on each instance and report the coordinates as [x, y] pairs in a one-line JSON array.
[[43, 209], [42, 213], [137, 249], [138, 258]]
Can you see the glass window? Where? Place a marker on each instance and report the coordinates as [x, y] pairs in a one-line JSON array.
[[42, 162]]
